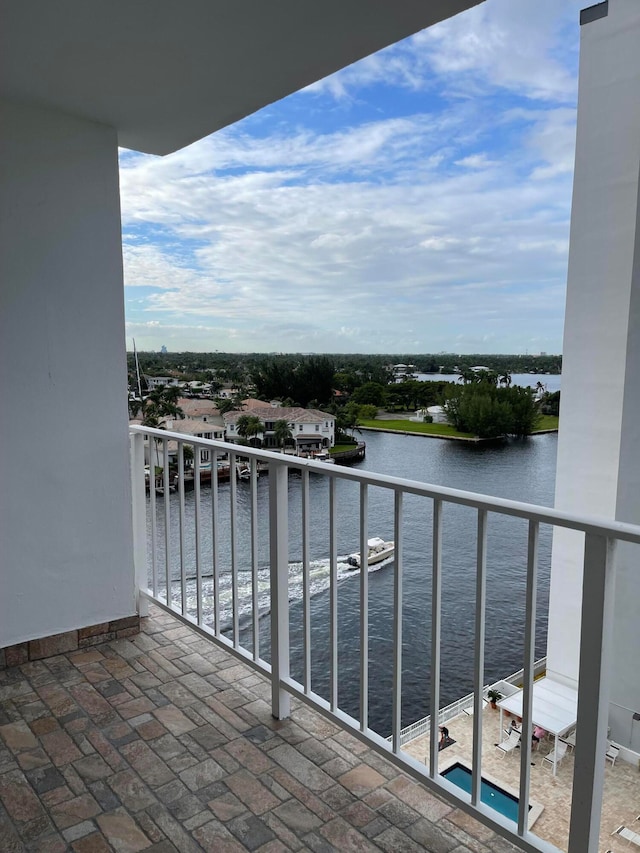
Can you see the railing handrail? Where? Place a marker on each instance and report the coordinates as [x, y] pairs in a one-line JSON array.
[[596, 621], [530, 512]]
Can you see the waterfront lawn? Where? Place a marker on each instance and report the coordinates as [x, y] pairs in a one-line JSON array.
[[417, 427], [547, 422], [340, 448]]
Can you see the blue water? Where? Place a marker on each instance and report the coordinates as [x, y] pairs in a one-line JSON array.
[[521, 470], [551, 382], [490, 794]]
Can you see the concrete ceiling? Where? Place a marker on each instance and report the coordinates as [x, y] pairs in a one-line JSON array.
[[168, 72]]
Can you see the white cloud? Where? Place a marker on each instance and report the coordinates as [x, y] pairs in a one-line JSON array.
[[518, 46], [409, 229]]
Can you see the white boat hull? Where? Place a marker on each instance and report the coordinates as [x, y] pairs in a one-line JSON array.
[[379, 550]]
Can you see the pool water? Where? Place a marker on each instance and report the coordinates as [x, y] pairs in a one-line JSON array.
[[490, 794]]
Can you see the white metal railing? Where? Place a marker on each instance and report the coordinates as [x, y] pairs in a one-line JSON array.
[[465, 703], [190, 586]]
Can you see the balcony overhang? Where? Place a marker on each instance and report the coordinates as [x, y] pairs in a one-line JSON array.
[[165, 74]]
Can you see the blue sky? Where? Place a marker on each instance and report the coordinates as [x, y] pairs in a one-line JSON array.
[[417, 201]]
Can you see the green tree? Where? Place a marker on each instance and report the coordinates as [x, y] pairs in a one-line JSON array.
[[249, 427], [282, 433], [372, 393], [490, 412], [162, 402], [228, 404], [550, 403], [302, 380]]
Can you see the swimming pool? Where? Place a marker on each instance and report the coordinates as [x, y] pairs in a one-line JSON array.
[[490, 794]]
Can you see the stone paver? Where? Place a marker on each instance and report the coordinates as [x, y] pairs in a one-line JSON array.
[[162, 742]]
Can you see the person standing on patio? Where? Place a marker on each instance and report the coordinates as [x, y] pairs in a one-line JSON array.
[[536, 736]]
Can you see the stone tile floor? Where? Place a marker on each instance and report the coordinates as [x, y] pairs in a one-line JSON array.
[[164, 742]]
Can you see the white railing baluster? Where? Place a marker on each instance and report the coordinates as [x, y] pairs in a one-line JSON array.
[[167, 519], [306, 592], [436, 615], [279, 571], [151, 444], [529, 661], [255, 589], [333, 594], [364, 608], [215, 561], [233, 519], [397, 622], [139, 508], [598, 589], [478, 664], [181, 505], [597, 612], [198, 532]]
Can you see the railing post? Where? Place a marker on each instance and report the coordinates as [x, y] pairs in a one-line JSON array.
[[279, 572], [139, 515], [593, 693]]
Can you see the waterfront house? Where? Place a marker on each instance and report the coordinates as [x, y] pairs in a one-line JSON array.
[[204, 410], [79, 79], [161, 381], [196, 428], [311, 429]]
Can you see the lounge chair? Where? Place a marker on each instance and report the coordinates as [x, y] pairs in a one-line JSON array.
[[612, 753], [556, 755], [509, 744], [628, 834]]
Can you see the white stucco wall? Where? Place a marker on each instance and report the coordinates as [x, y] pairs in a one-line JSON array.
[[598, 448], [65, 510]]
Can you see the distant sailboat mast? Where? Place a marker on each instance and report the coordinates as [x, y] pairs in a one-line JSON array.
[[135, 355]]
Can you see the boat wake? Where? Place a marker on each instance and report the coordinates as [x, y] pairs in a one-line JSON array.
[[319, 582]]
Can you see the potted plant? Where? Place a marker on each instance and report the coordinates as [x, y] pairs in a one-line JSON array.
[[494, 696]]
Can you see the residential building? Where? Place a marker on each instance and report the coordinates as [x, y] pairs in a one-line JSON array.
[[311, 429], [195, 427], [204, 410], [160, 381]]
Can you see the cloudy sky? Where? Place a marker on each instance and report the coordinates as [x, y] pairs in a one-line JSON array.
[[417, 201]]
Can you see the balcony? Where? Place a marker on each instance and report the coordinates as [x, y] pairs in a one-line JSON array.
[[203, 550], [163, 742]]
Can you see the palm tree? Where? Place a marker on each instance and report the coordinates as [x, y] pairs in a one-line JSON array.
[[165, 401], [468, 376], [249, 427], [135, 406], [281, 433], [505, 380]]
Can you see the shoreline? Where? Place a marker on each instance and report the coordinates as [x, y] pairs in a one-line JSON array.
[[470, 440]]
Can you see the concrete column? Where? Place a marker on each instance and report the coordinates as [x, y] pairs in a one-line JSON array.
[[66, 546], [598, 446]]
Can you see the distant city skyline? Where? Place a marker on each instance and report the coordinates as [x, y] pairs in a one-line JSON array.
[[415, 202]]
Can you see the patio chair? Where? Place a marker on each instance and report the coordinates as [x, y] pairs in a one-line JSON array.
[[570, 739], [612, 753], [556, 755], [628, 834], [509, 744]]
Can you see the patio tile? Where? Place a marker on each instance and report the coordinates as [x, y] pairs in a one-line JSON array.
[[165, 743]]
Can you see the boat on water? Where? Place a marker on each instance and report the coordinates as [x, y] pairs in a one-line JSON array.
[[378, 550]]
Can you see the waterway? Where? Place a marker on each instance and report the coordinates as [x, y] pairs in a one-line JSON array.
[[550, 381], [521, 470]]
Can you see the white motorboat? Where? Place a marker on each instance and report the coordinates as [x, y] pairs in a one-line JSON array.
[[378, 551]]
